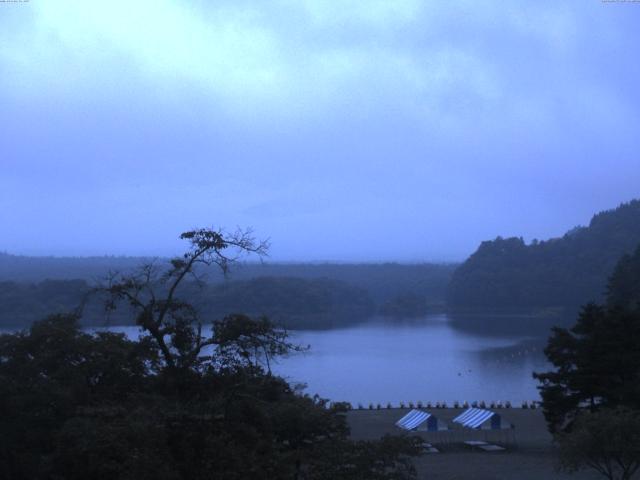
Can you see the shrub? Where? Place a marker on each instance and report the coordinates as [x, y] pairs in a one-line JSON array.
[[341, 406]]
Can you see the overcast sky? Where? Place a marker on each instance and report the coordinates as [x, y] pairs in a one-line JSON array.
[[343, 130]]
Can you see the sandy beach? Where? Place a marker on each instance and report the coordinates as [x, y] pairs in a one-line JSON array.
[[531, 457]]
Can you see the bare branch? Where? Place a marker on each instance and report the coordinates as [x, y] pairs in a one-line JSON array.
[[172, 323]]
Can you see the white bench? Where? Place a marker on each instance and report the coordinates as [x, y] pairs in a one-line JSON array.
[[491, 448]]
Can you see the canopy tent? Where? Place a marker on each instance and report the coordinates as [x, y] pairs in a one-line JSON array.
[[421, 421], [481, 419]]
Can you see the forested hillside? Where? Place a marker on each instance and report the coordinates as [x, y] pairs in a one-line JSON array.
[[310, 295], [560, 272], [290, 302], [383, 281], [623, 289]]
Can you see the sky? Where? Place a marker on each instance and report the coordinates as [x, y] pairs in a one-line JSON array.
[[341, 130]]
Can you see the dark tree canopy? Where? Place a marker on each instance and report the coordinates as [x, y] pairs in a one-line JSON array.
[[78, 405], [296, 303], [171, 322], [607, 441], [597, 361], [624, 285], [561, 272], [184, 402]]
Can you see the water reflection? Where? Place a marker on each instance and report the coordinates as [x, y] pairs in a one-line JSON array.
[[426, 360]]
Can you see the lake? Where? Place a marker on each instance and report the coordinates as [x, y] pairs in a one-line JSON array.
[[426, 359]]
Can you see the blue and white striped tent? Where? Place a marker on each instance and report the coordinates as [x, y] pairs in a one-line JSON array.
[[481, 419], [419, 420]]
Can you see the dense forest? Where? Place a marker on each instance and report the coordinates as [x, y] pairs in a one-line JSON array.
[[289, 302], [180, 403], [292, 295], [560, 272], [623, 289], [383, 281], [590, 396]]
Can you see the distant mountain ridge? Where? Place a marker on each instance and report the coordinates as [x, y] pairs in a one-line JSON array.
[[561, 272]]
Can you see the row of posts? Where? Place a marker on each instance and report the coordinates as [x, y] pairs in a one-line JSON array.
[[431, 405]]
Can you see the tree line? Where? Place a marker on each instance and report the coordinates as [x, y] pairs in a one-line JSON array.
[[294, 303], [191, 399], [296, 296], [290, 302], [591, 399], [382, 281], [561, 272]]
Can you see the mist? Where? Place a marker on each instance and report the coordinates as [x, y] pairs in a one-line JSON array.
[[340, 131], [319, 239]]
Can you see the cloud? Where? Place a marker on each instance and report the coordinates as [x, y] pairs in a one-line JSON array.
[[239, 55], [373, 13], [226, 50], [314, 115], [445, 66]]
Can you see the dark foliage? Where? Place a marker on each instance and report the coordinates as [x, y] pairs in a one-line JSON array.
[[624, 285], [382, 282], [598, 360], [607, 441], [597, 364], [22, 304], [561, 272], [291, 302], [295, 296], [408, 305], [180, 403], [77, 406]]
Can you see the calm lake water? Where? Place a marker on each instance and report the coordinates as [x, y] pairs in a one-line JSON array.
[[426, 359]]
